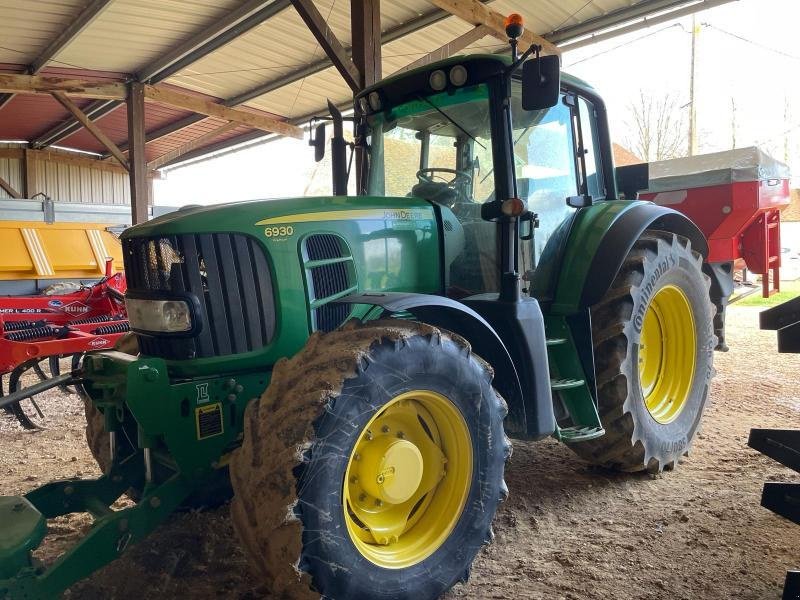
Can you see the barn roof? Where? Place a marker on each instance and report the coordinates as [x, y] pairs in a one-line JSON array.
[[257, 55]]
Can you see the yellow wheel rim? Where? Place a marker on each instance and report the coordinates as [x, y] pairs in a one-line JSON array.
[[408, 479], [667, 352]]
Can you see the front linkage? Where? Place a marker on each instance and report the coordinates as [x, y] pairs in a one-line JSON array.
[[197, 421]]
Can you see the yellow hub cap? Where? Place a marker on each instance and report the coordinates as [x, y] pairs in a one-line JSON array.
[[667, 352], [408, 479]]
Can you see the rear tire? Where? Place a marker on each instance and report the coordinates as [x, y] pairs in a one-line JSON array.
[[651, 397], [308, 446]]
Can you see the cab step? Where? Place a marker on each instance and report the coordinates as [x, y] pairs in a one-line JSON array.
[[566, 384], [579, 434]]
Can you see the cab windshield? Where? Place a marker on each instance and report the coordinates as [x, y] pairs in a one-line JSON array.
[[435, 147]]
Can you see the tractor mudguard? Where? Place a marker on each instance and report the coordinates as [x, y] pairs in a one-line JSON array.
[[600, 239], [462, 320]]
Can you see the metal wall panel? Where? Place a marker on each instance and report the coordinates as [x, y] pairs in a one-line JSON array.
[[11, 171], [78, 183]]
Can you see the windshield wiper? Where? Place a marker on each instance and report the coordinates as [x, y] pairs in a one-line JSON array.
[[446, 116]]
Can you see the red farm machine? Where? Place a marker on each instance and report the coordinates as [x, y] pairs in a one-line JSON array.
[[47, 328], [735, 198]]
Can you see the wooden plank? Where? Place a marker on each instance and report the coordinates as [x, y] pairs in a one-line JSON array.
[[46, 84], [138, 173], [10, 189], [329, 42], [212, 109], [189, 146], [447, 50], [92, 127], [472, 11], [80, 22]]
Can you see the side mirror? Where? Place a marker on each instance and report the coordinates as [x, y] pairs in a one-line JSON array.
[[581, 201], [632, 179], [541, 82], [318, 142]]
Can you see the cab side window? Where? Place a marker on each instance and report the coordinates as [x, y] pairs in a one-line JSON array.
[[593, 169]]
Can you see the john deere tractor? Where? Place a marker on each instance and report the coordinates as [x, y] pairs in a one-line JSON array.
[[348, 368]]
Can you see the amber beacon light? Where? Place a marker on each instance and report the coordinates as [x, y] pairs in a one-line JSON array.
[[514, 25]]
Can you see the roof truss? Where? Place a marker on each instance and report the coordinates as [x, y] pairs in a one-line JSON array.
[[251, 14]]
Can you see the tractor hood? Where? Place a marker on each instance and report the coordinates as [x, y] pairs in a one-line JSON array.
[[282, 264], [244, 216]]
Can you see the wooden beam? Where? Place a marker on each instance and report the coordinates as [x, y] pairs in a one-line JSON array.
[[329, 42], [12, 152], [69, 158], [449, 49], [365, 25], [212, 109], [80, 22], [189, 146], [10, 189], [138, 173], [98, 133], [80, 88], [472, 11]]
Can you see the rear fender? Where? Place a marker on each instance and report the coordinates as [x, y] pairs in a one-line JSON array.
[[601, 238], [460, 319]]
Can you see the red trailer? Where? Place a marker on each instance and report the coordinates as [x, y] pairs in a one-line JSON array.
[[735, 198]]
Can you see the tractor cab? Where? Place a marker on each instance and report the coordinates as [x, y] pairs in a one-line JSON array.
[[507, 170]]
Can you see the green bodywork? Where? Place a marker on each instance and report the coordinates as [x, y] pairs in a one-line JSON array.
[[394, 244]]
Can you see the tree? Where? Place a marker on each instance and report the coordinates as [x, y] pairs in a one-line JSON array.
[[656, 127]]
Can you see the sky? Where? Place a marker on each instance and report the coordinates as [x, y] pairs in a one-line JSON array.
[[748, 56]]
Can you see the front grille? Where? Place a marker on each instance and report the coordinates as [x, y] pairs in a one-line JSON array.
[[330, 274], [229, 275]]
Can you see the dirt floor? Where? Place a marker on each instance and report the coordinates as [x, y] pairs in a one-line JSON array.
[[567, 531]]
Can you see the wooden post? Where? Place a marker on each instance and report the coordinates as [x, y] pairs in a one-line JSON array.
[[366, 27], [29, 184], [365, 24], [136, 157]]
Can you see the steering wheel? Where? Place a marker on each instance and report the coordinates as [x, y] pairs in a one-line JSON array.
[[459, 177]]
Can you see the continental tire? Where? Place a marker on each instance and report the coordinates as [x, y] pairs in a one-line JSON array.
[[653, 341], [330, 449]]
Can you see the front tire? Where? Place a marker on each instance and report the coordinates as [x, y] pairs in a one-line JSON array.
[[653, 344], [372, 466]]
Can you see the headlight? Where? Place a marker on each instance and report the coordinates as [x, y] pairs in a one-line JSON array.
[[374, 101], [438, 80], [458, 75], [159, 316]]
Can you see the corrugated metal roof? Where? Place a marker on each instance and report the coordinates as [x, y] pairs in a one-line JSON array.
[[128, 35]]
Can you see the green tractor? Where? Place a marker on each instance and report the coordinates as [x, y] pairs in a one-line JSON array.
[[348, 368]]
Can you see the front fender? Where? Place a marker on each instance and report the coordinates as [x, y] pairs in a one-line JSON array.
[[460, 319]]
